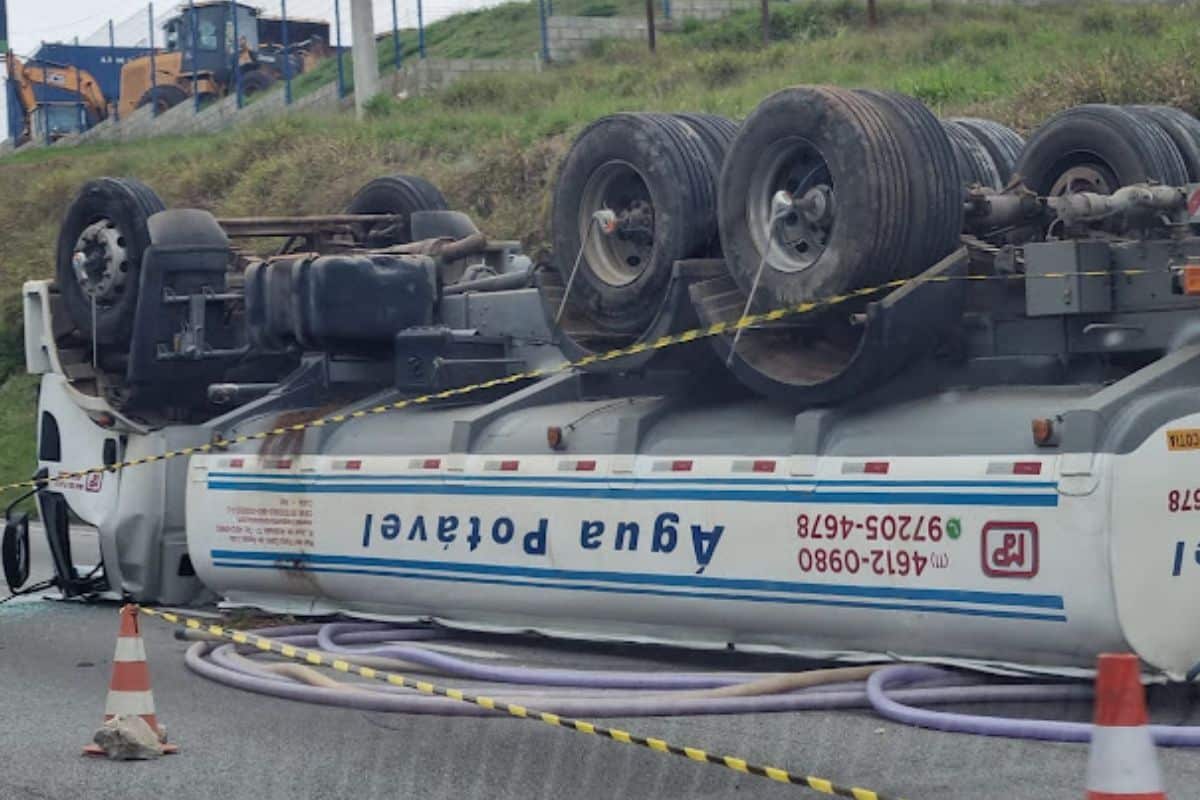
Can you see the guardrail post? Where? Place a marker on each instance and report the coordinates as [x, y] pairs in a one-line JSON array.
[[153, 68], [396, 49], [80, 114], [192, 26], [337, 22], [421, 28], [237, 54], [542, 14], [650, 24], [112, 53], [287, 56], [45, 109]]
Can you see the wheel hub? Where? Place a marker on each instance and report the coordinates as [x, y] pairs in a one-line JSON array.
[[101, 260], [621, 252], [1084, 178], [792, 205]]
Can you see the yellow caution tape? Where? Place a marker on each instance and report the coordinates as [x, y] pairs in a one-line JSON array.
[[520, 712], [715, 329]]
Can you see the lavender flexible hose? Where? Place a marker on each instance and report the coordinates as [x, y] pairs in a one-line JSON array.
[[593, 695], [887, 705], [223, 669], [328, 635]]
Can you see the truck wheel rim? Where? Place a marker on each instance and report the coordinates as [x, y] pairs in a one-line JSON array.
[[618, 257], [796, 241], [1084, 178], [101, 261]]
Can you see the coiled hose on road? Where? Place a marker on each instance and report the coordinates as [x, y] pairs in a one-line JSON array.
[[624, 693]]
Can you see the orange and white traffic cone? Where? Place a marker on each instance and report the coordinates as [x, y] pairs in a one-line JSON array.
[[129, 690], [1122, 764]]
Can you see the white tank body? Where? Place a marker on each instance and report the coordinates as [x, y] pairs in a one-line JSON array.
[[1039, 558]]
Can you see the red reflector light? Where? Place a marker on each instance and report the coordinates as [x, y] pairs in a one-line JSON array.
[[282, 463], [1190, 282], [1043, 432], [354, 464], [431, 463], [681, 466], [585, 466], [509, 466], [764, 466], [236, 463], [876, 467], [1027, 468]]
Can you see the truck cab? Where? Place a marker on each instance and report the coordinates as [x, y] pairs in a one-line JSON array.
[[218, 32]]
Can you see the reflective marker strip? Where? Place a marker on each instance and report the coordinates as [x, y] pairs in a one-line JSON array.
[[130, 676], [140, 703], [130, 648], [1122, 762]]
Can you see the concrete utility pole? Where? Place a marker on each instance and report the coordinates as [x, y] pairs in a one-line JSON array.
[[366, 61]]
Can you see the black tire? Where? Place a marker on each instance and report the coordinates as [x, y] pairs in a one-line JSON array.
[[975, 165], [402, 195], [935, 215], [14, 551], [793, 132], [163, 97], [126, 204], [1183, 130], [657, 168], [1098, 148], [1002, 143], [255, 81], [716, 134]]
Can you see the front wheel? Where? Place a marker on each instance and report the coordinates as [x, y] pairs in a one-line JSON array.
[[99, 255], [162, 98], [255, 81]]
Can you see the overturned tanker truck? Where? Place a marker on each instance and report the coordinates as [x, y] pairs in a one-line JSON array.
[[959, 417]]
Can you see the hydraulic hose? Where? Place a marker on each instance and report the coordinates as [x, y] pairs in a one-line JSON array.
[[328, 637], [895, 692], [887, 704]]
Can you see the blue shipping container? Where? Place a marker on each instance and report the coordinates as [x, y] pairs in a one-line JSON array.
[[104, 63]]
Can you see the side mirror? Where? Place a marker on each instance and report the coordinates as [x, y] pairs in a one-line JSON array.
[[14, 550]]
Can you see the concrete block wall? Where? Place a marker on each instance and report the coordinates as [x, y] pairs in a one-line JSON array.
[[568, 37], [434, 74], [708, 9]]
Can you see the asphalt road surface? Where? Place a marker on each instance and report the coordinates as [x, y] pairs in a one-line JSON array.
[[55, 659]]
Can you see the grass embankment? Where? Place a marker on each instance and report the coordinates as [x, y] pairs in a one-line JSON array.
[[492, 142]]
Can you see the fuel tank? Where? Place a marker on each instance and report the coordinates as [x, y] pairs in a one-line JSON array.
[[703, 525]]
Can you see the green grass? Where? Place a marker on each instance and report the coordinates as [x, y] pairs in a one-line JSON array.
[[18, 399], [493, 142]]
